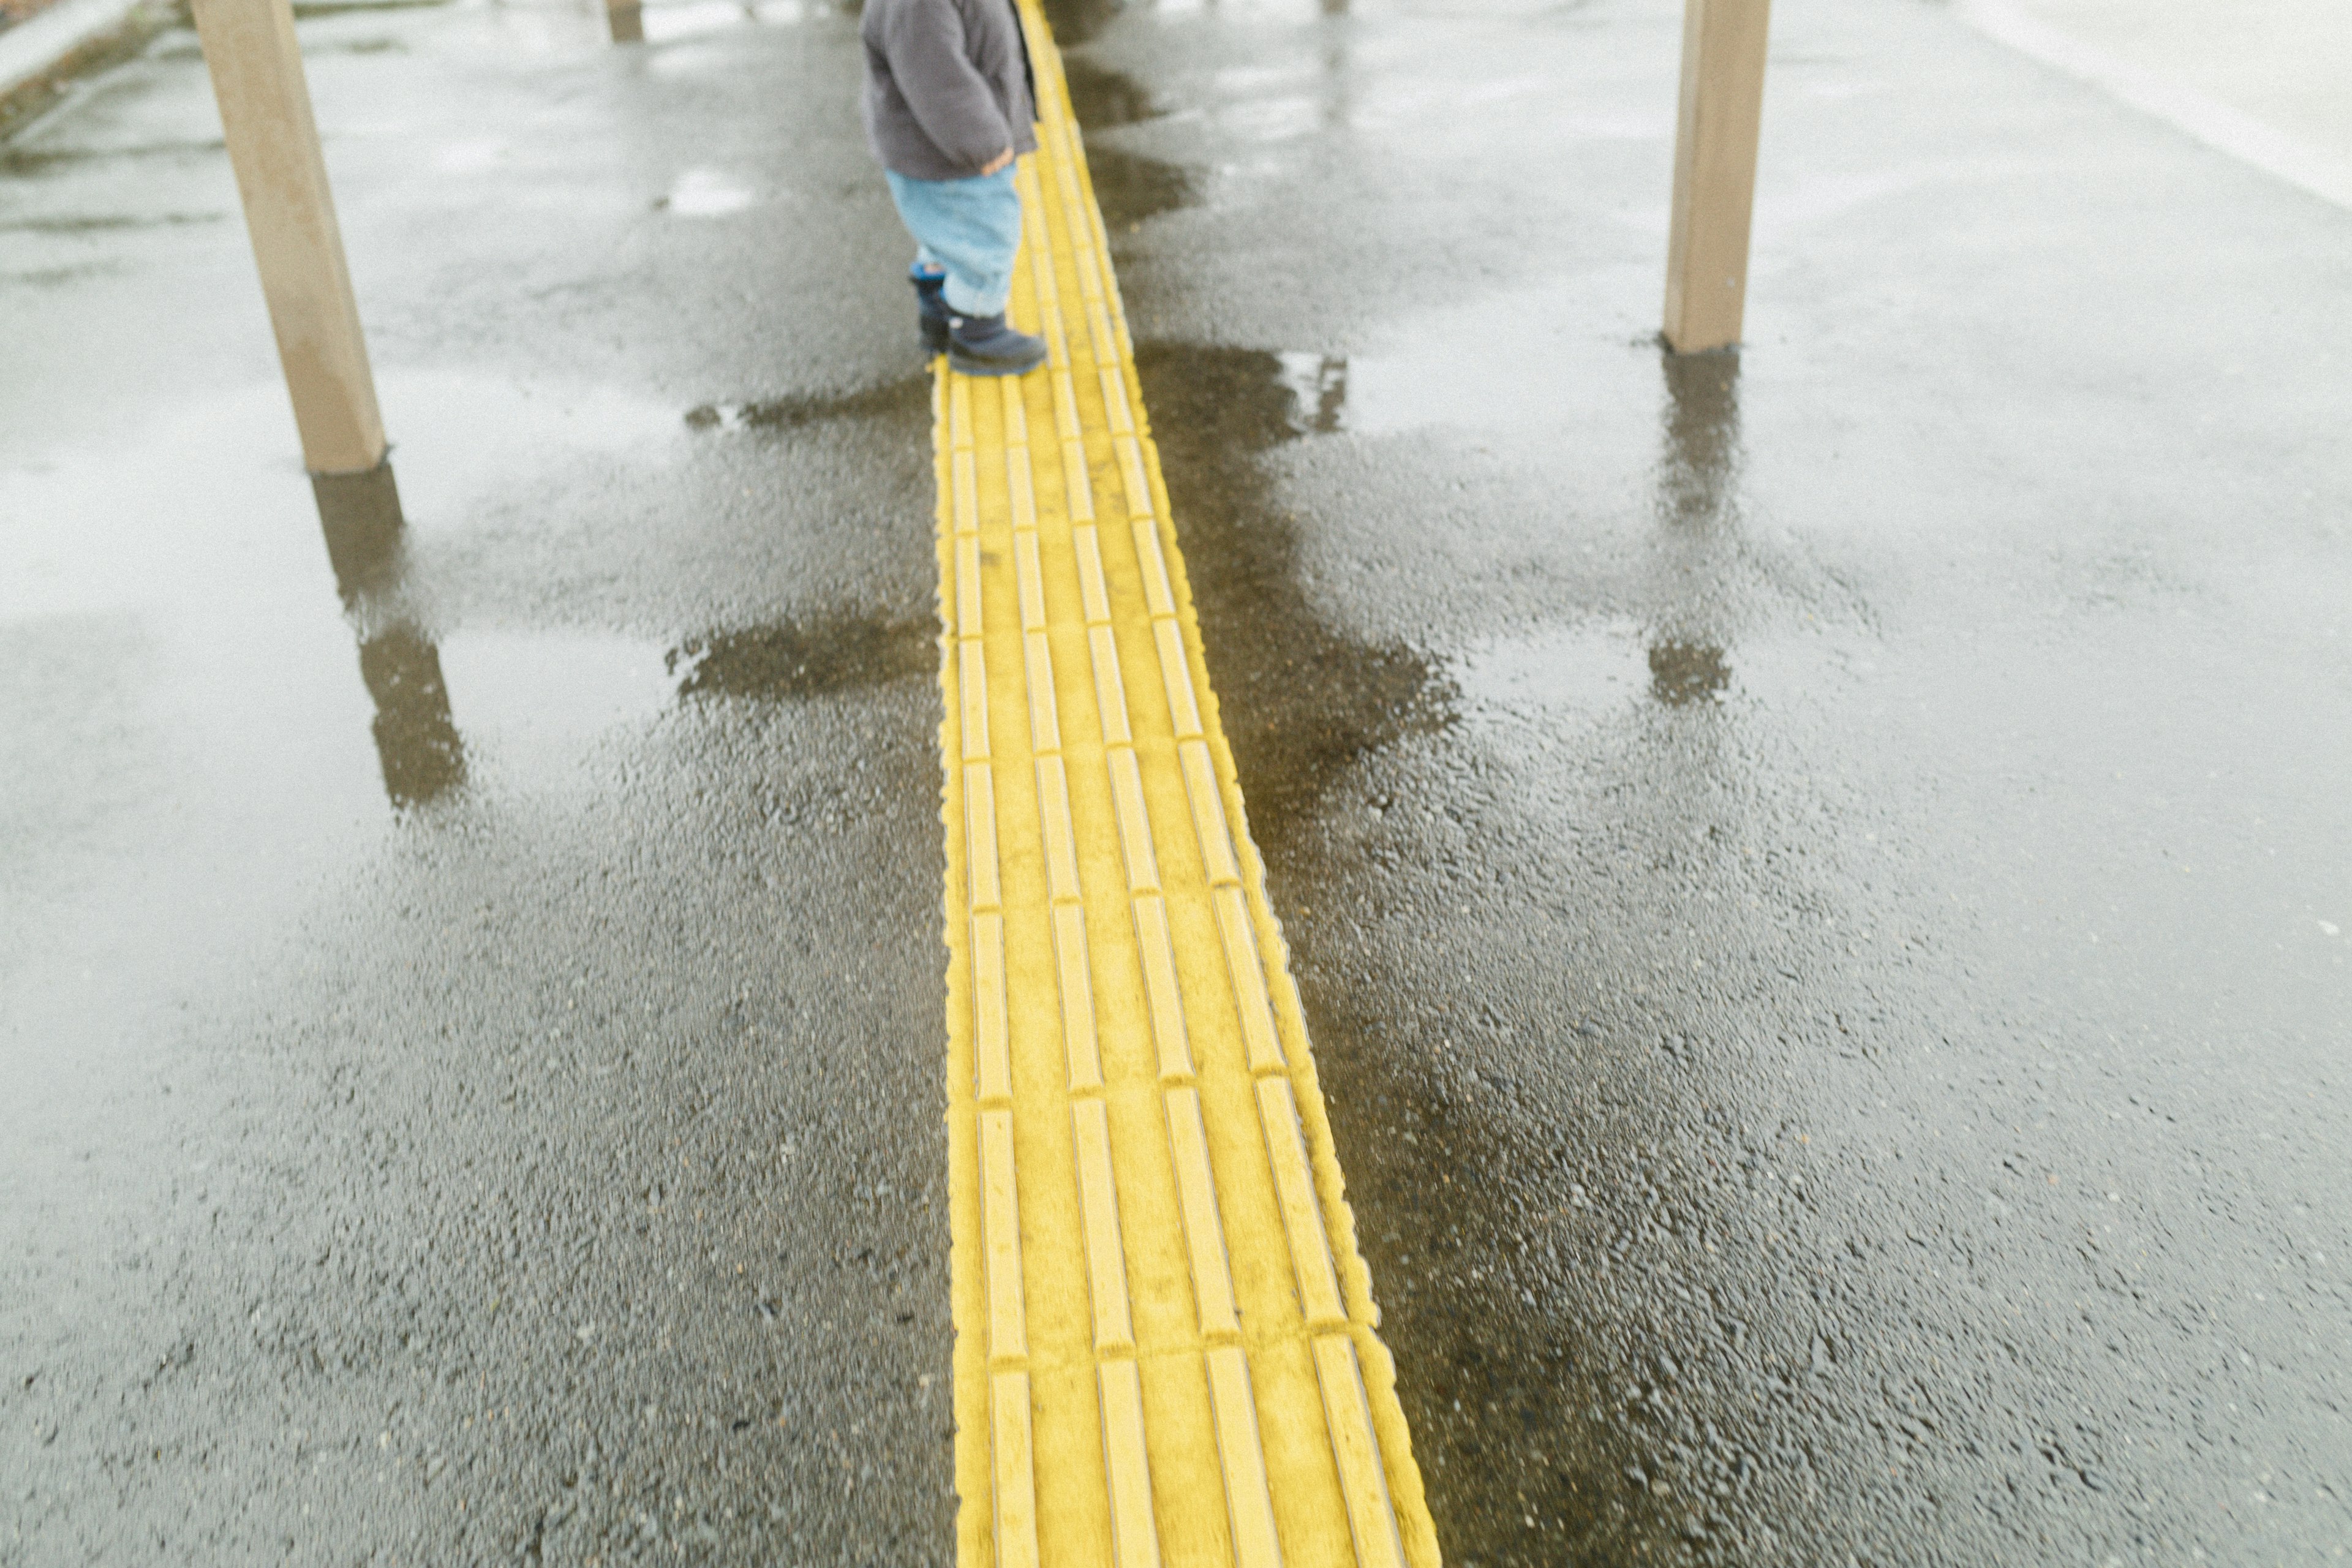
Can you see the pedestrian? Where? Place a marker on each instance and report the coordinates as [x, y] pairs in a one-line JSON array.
[[951, 104]]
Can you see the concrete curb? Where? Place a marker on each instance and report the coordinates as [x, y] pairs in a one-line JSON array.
[[32, 49]]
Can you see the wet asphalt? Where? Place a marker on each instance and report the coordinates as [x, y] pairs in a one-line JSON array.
[[1820, 878]]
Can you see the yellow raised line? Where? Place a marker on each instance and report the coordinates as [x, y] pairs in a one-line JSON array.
[[1204, 1231], [1016, 414], [1156, 1289], [1208, 813], [1015, 1488], [980, 835], [1130, 472], [1241, 1454], [991, 1036], [1092, 592], [1044, 718], [1098, 1208], [1302, 1219], [1134, 821], [1135, 1539], [1021, 489], [1158, 597], [1110, 691], [1259, 1036], [960, 416], [1031, 581], [968, 585], [1075, 476], [1060, 842], [1080, 1048], [1000, 1204], [972, 668], [967, 494], [1371, 1518], [1114, 402], [1176, 678], [1159, 987]]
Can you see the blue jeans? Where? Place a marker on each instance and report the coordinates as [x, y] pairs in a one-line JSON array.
[[969, 228]]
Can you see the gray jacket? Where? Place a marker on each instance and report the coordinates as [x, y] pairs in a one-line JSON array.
[[947, 86]]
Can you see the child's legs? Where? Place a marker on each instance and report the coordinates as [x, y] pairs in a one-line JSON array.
[[971, 227]]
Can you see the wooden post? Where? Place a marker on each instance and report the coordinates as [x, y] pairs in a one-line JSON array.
[[1715, 171], [626, 18], [273, 144]]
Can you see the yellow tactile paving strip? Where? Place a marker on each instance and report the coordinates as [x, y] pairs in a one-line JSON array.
[[1165, 1348]]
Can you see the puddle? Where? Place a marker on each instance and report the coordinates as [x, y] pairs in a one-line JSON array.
[[1133, 188], [108, 225], [1130, 186], [1075, 21], [1301, 699], [304, 10], [459, 432], [810, 660], [1103, 98], [535, 703], [35, 160], [1589, 667], [704, 193], [906, 399], [58, 277], [1504, 362]]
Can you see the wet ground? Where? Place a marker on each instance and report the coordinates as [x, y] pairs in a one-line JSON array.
[[1822, 880]]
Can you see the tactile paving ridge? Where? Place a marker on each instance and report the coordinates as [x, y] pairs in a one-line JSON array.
[[1165, 1347]]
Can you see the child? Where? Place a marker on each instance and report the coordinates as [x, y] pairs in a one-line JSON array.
[[949, 104]]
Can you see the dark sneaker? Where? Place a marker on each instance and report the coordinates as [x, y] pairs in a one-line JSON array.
[[932, 310], [984, 345]]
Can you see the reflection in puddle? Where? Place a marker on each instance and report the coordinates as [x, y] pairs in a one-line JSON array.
[[534, 702], [304, 10], [1687, 672], [704, 193], [1500, 362], [417, 743], [530, 695], [81, 225], [1699, 466], [1696, 501], [891, 400], [1319, 385], [1585, 668], [806, 660], [35, 160]]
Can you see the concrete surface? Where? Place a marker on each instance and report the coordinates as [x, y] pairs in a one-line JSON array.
[[1819, 880]]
